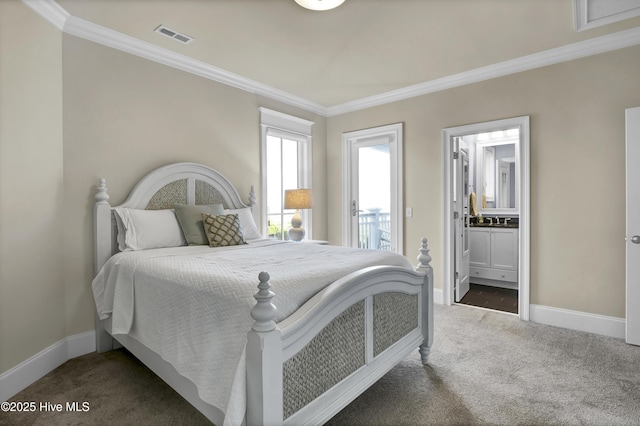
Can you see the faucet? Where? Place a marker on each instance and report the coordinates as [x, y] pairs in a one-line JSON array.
[[490, 221], [506, 219], [497, 220]]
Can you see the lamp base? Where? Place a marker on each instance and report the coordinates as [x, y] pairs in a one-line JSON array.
[[296, 234]]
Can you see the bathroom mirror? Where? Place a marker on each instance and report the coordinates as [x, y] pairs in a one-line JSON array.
[[497, 172]]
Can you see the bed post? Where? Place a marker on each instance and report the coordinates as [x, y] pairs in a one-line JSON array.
[[102, 240], [264, 360], [253, 206], [427, 300], [101, 226]]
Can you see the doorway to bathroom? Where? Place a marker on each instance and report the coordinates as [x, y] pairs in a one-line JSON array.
[[486, 217]]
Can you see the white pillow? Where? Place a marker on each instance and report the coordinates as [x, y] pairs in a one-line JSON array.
[[147, 229], [121, 231], [249, 228]]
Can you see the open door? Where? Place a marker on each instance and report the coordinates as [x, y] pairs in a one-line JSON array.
[[633, 226], [461, 218]]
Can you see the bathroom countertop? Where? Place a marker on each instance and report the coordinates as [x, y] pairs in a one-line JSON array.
[[493, 225]]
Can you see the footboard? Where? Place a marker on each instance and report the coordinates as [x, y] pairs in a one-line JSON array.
[[311, 365]]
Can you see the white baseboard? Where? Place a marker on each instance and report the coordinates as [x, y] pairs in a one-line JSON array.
[[565, 318], [580, 321], [42, 363], [81, 344], [438, 296]]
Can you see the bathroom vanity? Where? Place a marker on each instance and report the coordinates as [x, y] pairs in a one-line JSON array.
[[493, 255]]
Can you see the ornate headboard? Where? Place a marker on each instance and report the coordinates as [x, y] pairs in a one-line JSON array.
[[179, 183]]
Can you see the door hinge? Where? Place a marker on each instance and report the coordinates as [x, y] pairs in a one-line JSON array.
[[455, 215], [455, 155]]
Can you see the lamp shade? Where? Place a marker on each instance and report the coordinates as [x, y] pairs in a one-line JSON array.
[[297, 199]]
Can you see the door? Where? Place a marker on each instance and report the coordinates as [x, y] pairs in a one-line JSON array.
[[633, 226], [461, 218], [372, 187]]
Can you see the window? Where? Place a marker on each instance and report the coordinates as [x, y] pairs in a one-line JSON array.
[[286, 164]]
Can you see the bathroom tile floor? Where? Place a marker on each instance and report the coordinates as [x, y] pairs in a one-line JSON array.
[[499, 299]]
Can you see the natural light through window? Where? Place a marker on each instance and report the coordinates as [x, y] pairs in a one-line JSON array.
[[375, 182], [286, 164], [282, 174]]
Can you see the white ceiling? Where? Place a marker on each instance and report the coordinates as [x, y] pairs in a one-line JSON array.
[[363, 48]]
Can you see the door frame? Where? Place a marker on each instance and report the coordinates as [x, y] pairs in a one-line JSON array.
[[393, 133], [524, 206]]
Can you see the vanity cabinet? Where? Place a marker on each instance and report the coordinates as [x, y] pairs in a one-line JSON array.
[[493, 257], [480, 247]]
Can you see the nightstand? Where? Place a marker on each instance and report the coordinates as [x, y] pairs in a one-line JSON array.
[[320, 242]]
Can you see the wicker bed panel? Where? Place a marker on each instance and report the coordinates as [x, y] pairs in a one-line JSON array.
[[170, 194], [394, 316], [336, 352], [207, 194], [176, 192]]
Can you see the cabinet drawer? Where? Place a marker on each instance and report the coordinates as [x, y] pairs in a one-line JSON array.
[[493, 274]]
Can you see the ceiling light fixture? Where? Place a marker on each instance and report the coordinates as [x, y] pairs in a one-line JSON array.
[[319, 4]]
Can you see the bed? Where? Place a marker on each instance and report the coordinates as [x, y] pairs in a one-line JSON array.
[[263, 332]]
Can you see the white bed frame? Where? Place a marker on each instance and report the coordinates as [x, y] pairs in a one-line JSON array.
[[270, 345]]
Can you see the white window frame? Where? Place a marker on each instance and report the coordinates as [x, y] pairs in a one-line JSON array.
[[280, 125]]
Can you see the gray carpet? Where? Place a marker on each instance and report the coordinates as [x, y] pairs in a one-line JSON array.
[[485, 368]]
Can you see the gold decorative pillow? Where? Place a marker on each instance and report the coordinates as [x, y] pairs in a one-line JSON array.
[[223, 230]]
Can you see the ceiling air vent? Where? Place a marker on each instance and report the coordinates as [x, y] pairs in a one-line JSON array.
[[182, 38]]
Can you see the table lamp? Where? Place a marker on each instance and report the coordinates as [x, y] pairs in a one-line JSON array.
[[297, 199]]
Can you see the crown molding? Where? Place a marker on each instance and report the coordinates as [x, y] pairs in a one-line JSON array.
[[49, 10], [54, 13], [78, 27], [569, 52], [107, 37]]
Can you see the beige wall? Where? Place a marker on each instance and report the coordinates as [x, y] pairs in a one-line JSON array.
[[32, 296], [577, 170], [124, 116]]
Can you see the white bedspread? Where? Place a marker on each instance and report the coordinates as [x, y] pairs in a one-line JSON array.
[[191, 304]]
